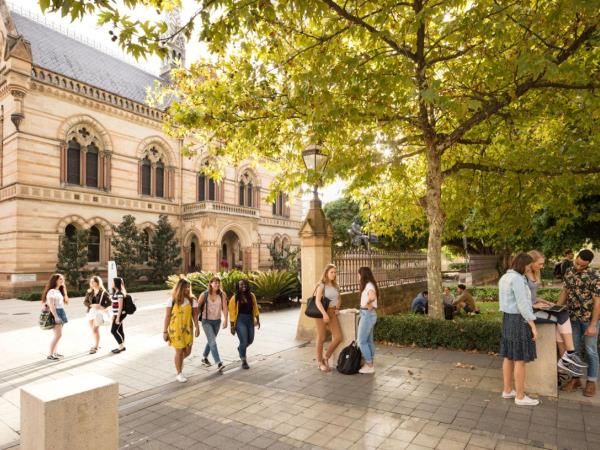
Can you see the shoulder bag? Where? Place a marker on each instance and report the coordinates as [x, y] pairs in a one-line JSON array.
[[46, 319], [311, 305]]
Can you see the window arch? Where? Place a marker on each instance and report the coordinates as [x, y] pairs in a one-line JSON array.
[[94, 245], [280, 205], [156, 176], [84, 159], [247, 191], [206, 187]]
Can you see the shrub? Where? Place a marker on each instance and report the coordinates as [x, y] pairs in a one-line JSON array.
[[73, 257], [200, 280], [470, 333], [490, 294], [127, 249], [164, 256], [460, 267], [275, 285]]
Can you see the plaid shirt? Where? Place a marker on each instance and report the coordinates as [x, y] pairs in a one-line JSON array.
[[581, 287]]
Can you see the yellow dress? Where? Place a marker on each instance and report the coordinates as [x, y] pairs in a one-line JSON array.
[[181, 327]]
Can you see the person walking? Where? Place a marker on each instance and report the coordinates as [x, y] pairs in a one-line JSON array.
[[519, 332], [369, 293], [181, 323], [329, 289], [55, 298], [581, 294], [97, 302], [213, 306], [569, 361], [119, 314], [243, 316]]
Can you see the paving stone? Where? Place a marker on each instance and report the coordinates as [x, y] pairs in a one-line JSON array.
[[448, 444], [426, 440]]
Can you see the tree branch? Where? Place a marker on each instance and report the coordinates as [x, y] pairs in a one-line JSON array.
[[402, 50], [502, 170]]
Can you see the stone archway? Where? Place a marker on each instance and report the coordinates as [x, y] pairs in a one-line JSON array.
[[231, 254]]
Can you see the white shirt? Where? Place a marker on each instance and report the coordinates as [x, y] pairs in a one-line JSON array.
[[169, 303], [364, 296], [56, 296]]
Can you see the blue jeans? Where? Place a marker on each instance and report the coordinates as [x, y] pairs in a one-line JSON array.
[[591, 347], [365, 334], [244, 327], [211, 329]]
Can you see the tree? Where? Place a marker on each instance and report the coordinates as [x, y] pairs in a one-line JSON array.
[[127, 245], [406, 96], [285, 258], [341, 214], [165, 252], [73, 257]]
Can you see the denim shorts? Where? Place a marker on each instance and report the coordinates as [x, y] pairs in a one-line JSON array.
[[60, 312]]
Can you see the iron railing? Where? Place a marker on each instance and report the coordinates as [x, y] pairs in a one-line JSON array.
[[389, 268]]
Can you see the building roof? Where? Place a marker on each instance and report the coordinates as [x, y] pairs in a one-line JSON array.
[[67, 56]]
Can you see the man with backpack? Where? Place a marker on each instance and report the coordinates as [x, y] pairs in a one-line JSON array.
[[561, 268]]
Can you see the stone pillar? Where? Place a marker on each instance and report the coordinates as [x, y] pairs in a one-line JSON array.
[[107, 168], [541, 376], [82, 166], [209, 254], [78, 412], [186, 259], [315, 244]]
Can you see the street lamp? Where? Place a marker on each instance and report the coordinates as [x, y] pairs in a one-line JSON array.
[[315, 160]]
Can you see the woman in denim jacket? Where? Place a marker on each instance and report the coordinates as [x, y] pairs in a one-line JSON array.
[[518, 330]]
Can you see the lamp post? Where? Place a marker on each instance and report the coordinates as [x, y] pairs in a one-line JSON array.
[[315, 160]]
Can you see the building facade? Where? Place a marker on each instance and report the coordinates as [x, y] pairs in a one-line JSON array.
[[80, 148]]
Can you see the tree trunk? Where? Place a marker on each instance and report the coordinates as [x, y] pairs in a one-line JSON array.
[[435, 219]]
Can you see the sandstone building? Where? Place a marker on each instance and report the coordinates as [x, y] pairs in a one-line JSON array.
[[80, 148]]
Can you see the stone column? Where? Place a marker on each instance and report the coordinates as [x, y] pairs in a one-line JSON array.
[[153, 180], [107, 168], [315, 243], [63, 162], [186, 259], [82, 166], [209, 252]]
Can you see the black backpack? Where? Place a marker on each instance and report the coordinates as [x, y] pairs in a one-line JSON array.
[[129, 305], [205, 293], [349, 359], [558, 270]]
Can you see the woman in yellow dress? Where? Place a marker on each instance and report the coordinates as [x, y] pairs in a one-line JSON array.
[[181, 323]]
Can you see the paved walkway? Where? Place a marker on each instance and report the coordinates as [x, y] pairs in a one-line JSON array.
[[418, 399]]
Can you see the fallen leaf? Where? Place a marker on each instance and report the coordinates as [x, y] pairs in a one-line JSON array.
[[410, 372], [465, 366]]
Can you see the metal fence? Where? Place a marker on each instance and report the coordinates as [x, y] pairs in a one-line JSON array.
[[390, 268]]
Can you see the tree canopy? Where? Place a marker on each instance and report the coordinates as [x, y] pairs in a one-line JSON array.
[[493, 100]]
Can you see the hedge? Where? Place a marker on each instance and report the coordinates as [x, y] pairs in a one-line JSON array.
[[470, 333], [37, 295], [490, 294]]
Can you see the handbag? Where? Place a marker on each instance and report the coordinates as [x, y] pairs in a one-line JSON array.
[[47, 321], [350, 357], [311, 306], [99, 318]]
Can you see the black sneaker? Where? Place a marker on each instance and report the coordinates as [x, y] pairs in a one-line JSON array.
[[52, 358], [206, 362], [574, 359], [245, 364], [569, 368], [220, 367]]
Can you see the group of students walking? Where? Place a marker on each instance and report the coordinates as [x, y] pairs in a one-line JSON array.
[[576, 324], [101, 307]]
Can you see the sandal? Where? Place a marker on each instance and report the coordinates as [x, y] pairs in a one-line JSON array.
[[93, 350], [323, 367]]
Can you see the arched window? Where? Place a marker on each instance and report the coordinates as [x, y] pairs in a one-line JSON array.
[[74, 162], [208, 189], [247, 195], [201, 187], [94, 245], [84, 160], [70, 231], [280, 205], [193, 254], [91, 166], [146, 177], [212, 190], [160, 179]]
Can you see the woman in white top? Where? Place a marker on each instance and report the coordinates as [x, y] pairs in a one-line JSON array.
[[369, 293], [181, 317], [328, 288], [55, 297], [213, 307]]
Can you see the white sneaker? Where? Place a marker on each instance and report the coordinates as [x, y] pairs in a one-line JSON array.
[[367, 369], [181, 378], [526, 401], [511, 394]]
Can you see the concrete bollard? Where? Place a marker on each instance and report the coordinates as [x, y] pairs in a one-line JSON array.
[[541, 375], [347, 319], [78, 412]]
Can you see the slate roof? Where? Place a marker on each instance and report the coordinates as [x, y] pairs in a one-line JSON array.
[[67, 56]]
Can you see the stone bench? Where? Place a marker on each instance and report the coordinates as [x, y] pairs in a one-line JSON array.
[[541, 375], [78, 412]]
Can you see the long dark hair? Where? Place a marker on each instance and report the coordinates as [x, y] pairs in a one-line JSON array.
[[51, 284], [366, 276], [520, 263], [119, 285], [239, 294]]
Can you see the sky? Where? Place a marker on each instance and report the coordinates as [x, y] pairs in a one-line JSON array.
[[88, 31]]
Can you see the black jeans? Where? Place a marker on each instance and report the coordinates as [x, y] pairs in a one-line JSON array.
[[117, 330]]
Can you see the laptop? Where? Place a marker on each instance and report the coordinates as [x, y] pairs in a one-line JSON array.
[[556, 308]]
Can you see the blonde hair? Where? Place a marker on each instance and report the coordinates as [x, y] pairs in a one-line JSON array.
[[178, 291], [99, 282], [536, 255], [325, 279]]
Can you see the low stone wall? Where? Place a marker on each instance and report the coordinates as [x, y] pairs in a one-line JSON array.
[[394, 299]]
